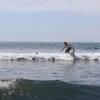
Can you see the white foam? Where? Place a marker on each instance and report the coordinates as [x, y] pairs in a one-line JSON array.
[[88, 56], [6, 83], [48, 56]]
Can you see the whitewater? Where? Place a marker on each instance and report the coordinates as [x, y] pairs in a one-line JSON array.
[[49, 56]]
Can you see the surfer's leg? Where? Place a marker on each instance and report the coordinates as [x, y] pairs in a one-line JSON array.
[[73, 55], [67, 50], [74, 58]]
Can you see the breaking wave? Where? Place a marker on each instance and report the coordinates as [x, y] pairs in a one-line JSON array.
[[48, 90], [6, 83], [48, 56]]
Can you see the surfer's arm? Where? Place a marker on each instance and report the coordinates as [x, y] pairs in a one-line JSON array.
[[62, 48], [73, 49]]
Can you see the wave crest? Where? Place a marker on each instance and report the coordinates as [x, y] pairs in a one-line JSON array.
[[49, 90], [48, 56]]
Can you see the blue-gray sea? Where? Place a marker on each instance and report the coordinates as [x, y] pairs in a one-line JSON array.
[[26, 76]]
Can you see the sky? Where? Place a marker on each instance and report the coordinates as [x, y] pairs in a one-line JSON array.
[[50, 20]]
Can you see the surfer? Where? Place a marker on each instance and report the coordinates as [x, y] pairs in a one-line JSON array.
[[69, 49]]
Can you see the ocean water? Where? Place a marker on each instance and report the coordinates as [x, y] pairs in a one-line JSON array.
[[39, 71]]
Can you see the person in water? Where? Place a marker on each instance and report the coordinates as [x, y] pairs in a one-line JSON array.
[[69, 49]]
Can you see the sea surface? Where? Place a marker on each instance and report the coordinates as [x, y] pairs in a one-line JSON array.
[[40, 71]]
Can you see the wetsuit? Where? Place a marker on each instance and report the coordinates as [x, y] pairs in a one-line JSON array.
[[69, 47]]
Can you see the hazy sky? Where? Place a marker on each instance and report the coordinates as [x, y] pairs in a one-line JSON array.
[[50, 20]]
